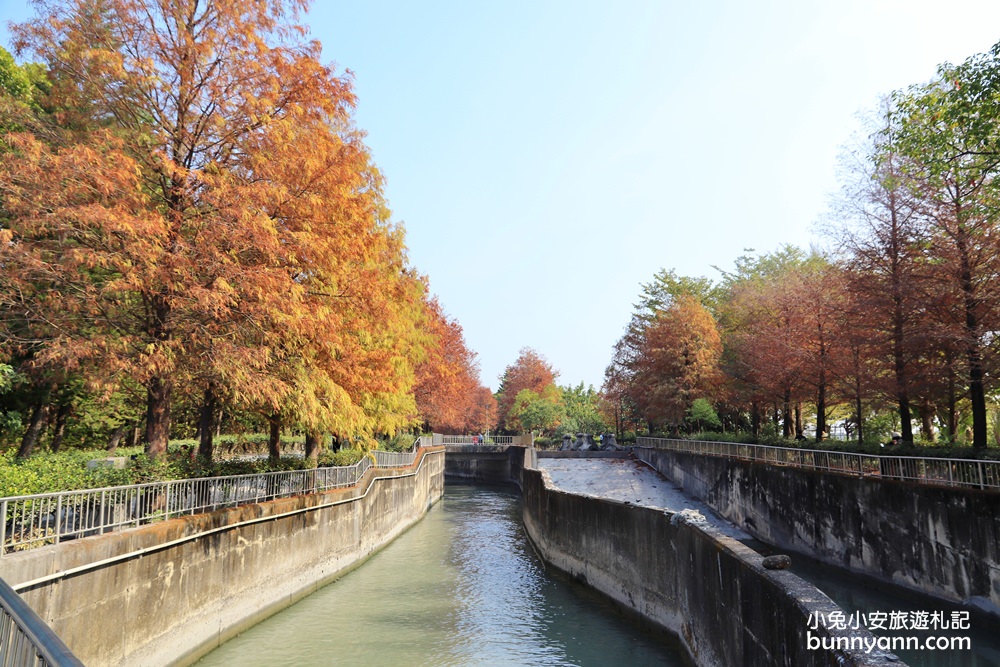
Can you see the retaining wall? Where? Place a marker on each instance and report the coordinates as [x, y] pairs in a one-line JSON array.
[[493, 467], [168, 593], [938, 541], [686, 576]]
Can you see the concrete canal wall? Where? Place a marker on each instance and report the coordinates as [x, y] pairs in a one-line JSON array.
[[675, 570], [939, 541], [169, 592], [500, 465], [503, 465]]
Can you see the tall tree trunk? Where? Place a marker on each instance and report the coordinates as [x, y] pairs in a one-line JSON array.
[[59, 430], [205, 424], [902, 393], [39, 414], [926, 421], [898, 334], [755, 419], [274, 438], [973, 351], [314, 444], [786, 429], [158, 393], [799, 430], [858, 408], [159, 389], [821, 407], [977, 397]]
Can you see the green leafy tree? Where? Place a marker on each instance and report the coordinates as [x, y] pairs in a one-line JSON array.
[[529, 371], [14, 79], [947, 136], [702, 415], [583, 414], [537, 412]]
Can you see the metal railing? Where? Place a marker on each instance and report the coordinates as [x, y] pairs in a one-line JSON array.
[[477, 440], [49, 518], [482, 443], [966, 473], [25, 639]]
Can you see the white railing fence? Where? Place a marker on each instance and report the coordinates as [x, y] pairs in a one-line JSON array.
[[483, 440], [48, 518], [966, 473]]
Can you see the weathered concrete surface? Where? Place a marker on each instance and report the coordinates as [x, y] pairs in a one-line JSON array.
[[943, 542], [633, 483], [588, 454], [178, 596], [681, 570], [472, 464]]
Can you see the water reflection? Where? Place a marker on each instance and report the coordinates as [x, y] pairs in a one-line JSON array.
[[462, 587]]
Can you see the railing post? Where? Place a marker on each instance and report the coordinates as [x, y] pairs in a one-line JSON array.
[[58, 516], [3, 528]]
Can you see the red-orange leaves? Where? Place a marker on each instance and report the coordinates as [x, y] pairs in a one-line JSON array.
[[206, 215], [678, 361], [449, 396], [529, 371]]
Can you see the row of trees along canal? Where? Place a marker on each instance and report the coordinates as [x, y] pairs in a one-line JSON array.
[[191, 225], [901, 318]]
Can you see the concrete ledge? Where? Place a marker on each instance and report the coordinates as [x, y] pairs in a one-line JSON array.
[[490, 466], [138, 602], [708, 589], [937, 541], [558, 454]]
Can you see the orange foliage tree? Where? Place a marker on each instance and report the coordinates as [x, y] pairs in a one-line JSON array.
[[678, 361], [450, 398], [201, 211], [529, 371]]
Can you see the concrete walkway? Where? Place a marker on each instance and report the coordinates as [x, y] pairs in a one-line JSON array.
[[631, 481]]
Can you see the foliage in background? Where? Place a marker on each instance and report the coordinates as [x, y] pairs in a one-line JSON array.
[[582, 411], [896, 329], [193, 238], [529, 371], [537, 412], [449, 394]]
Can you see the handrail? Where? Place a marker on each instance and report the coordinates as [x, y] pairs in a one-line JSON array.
[[477, 440], [36, 520], [929, 471], [25, 639]]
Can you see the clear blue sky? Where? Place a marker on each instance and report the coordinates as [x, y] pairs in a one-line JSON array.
[[547, 157]]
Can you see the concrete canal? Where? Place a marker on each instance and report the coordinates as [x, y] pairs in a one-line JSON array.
[[462, 587]]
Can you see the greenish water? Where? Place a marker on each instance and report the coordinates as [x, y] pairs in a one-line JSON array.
[[462, 587]]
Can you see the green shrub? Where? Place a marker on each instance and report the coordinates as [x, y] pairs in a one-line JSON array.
[[343, 457], [402, 442]]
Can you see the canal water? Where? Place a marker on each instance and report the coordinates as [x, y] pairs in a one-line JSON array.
[[461, 587]]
